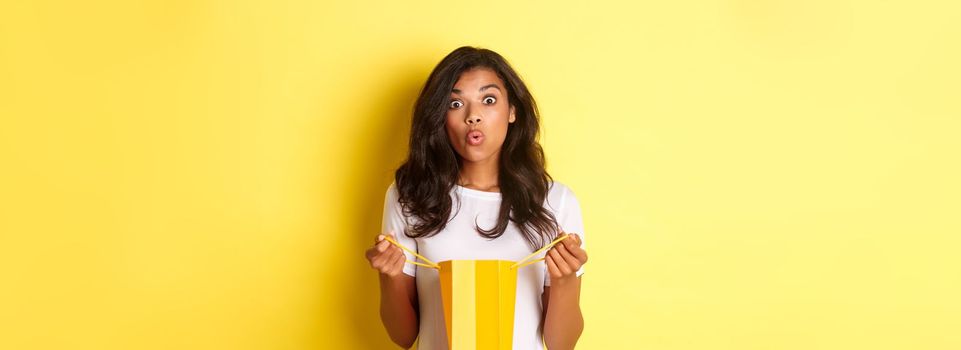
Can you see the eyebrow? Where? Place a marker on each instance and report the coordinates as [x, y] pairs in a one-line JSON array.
[[457, 91]]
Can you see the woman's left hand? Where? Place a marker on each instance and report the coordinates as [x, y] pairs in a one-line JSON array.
[[565, 258]]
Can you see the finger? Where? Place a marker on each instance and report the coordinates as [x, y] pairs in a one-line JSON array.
[[552, 267], [392, 253], [400, 255], [574, 240], [569, 258], [397, 264], [569, 240], [370, 254], [384, 263], [382, 245], [575, 249], [559, 261], [579, 253], [384, 256], [376, 261], [382, 236]]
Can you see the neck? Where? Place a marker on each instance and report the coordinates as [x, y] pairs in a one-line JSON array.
[[480, 175]]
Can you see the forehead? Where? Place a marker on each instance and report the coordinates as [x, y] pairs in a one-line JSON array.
[[470, 80]]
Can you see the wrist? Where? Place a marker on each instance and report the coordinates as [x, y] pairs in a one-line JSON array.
[[564, 282], [391, 278]]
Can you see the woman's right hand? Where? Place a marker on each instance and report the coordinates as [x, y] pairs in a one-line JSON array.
[[385, 257]]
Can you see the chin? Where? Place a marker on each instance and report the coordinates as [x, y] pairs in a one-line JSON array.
[[469, 156]]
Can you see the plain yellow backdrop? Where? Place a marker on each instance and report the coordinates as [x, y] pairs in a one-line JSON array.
[[753, 174]]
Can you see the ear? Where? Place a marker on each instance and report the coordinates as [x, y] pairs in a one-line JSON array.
[[511, 119]]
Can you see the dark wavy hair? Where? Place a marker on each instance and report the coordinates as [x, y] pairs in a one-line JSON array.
[[432, 167]]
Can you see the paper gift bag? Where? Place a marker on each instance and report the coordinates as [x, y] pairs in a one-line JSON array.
[[479, 299], [479, 303]]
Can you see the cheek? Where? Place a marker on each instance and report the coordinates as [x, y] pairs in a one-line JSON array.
[[452, 127], [450, 121], [502, 122]]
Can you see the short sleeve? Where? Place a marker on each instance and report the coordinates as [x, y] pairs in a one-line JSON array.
[[394, 220], [569, 218]]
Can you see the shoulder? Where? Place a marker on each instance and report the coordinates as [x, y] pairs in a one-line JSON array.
[[558, 188], [392, 196], [559, 195]]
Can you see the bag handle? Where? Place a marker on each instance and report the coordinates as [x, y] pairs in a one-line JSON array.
[[429, 263], [521, 263]]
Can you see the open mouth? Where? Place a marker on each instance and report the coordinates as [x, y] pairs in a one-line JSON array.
[[475, 137]]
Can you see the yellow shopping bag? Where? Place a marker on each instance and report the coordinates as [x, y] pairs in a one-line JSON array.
[[479, 299]]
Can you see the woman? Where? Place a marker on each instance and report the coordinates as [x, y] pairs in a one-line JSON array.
[[474, 187]]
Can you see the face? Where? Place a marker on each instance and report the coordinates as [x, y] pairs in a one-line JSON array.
[[478, 114]]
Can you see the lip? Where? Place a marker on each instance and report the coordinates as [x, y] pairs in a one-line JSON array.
[[475, 137]]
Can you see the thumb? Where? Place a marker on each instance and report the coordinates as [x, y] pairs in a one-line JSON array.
[[389, 234], [382, 236]]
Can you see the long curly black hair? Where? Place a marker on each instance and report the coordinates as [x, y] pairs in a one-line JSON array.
[[426, 178]]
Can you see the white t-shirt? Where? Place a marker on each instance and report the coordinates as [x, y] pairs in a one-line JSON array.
[[460, 241]]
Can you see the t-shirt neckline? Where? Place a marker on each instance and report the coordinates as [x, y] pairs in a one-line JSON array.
[[477, 193]]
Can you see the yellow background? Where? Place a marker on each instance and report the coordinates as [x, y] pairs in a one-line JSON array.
[[753, 174]]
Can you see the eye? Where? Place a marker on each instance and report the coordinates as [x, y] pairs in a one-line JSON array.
[[456, 104], [489, 100]]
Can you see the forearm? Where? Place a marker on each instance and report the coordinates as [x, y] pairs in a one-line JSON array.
[[398, 310], [563, 322]]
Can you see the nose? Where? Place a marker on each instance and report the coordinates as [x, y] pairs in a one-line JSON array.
[[473, 119]]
